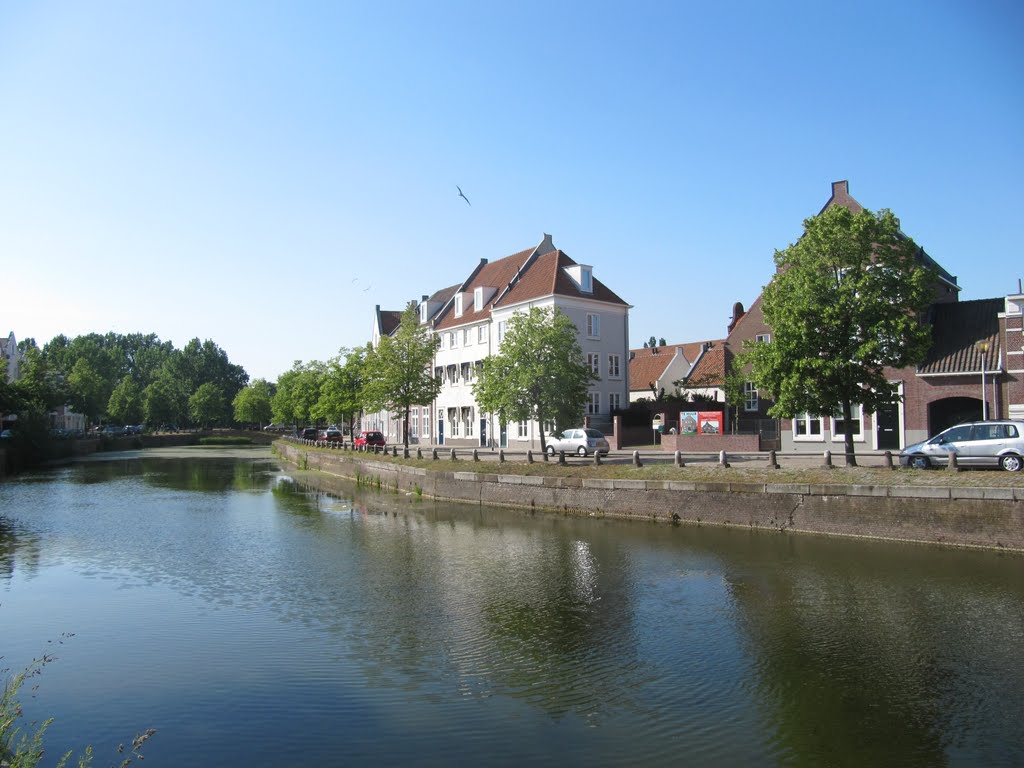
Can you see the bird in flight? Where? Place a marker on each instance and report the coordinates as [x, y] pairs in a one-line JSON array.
[[462, 195]]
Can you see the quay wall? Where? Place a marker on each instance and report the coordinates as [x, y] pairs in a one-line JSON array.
[[973, 517]]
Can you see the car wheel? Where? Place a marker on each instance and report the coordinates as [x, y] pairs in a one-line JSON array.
[[581, 451], [1010, 462], [551, 450], [920, 462]]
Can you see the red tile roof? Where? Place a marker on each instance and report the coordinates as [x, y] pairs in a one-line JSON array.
[[546, 276], [710, 369]]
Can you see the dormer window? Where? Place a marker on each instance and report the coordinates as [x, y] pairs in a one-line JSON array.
[[458, 305], [423, 312], [478, 299], [586, 280]]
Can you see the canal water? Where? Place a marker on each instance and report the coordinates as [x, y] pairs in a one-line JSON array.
[[255, 622]]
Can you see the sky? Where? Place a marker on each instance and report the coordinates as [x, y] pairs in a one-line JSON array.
[[263, 174]]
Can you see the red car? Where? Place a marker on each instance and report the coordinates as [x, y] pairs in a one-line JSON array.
[[330, 435], [370, 438]]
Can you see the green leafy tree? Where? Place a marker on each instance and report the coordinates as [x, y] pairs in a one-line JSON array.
[[398, 373], [252, 403], [341, 388], [298, 391], [206, 406], [538, 374], [161, 404], [845, 303], [89, 390], [126, 405]]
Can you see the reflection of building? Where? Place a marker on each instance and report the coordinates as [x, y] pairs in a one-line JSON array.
[[471, 319], [944, 390]]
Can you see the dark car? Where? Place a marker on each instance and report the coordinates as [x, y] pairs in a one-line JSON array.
[[370, 438], [309, 433], [330, 435]]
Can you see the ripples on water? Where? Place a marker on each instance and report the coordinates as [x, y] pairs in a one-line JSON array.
[[256, 622]]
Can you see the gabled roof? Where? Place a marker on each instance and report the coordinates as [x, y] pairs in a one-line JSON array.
[[389, 321], [709, 371], [546, 276], [647, 366], [957, 327], [524, 276]]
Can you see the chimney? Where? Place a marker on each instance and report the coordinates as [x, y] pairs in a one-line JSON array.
[[840, 188]]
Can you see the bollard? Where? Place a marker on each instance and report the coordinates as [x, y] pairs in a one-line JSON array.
[[953, 465], [723, 459], [419, 452], [501, 456], [529, 457], [636, 459], [394, 451], [476, 457], [827, 460], [597, 458], [773, 463], [405, 452], [677, 459], [433, 451], [888, 460], [453, 455], [544, 454], [561, 458]]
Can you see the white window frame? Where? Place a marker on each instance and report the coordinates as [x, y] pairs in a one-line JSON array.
[[751, 398], [478, 299], [593, 403], [481, 334], [586, 280], [453, 340], [467, 336], [614, 366], [614, 401], [521, 430], [426, 421], [857, 412], [808, 421], [458, 305], [593, 326], [502, 327], [765, 338], [594, 363]]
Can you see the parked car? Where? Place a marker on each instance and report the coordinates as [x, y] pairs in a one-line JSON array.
[[976, 444], [330, 435], [581, 441], [370, 438], [309, 433]]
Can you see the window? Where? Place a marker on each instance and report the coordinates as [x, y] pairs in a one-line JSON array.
[[453, 422], [586, 281], [502, 325], [414, 423], [613, 367], [426, 421], [614, 401], [444, 337], [453, 340], [478, 299], [467, 336], [521, 429], [763, 337], [458, 305], [593, 363], [807, 427], [839, 425], [467, 421], [423, 312], [593, 326], [467, 372], [594, 403], [750, 399], [481, 334]]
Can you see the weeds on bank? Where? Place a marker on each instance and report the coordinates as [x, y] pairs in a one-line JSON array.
[[22, 747]]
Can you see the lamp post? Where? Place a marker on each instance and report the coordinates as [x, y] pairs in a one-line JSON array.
[[983, 348]]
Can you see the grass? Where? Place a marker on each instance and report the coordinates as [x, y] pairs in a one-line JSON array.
[[711, 472]]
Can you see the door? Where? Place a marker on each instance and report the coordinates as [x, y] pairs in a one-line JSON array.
[[887, 426], [483, 433], [440, 431]]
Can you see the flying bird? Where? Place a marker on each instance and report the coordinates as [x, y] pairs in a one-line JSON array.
[[462, 195], [367, 287]]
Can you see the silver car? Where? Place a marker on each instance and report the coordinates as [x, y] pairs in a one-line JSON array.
[[976, 444], [581, 441]]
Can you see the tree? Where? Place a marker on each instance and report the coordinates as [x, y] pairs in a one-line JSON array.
[[341, 388], [539, 373], [845, 303], [398, 373], [125, 404], [161, 403], [207, 404], [252, 403], [89, 390]]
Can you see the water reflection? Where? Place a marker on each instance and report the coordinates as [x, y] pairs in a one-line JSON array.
[[608, 643]]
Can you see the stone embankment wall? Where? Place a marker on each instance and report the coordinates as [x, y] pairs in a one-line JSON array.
[[977, 517]]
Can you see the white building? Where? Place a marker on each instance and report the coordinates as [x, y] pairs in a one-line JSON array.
[[471, 318], [10, 352]]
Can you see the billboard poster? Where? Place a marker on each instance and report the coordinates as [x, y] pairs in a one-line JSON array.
[[688, 423], [710, 422]]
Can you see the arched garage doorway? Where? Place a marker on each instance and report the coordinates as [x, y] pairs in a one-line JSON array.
[[952, 411]]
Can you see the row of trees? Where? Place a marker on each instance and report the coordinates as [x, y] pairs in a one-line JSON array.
[[538, 375], [127, 379]]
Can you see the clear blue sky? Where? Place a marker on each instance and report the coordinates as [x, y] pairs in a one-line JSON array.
[[245, 171]]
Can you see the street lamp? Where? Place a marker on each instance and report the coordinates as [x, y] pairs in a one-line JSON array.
[[983, 348]]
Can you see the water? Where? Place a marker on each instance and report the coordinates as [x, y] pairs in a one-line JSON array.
[[257, 623]]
